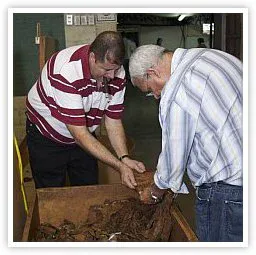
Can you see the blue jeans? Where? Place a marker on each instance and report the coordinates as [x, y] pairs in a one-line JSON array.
[[219, 212]]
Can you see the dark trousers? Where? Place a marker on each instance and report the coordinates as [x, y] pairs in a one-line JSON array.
[[219, 212], [51, 162]]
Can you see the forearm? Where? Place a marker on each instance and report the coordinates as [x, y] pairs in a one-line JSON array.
[[116, 136], [176, 145], [90, 144]]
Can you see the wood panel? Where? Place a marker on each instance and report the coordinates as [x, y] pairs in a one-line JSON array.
[[46, 48], [234, 40]]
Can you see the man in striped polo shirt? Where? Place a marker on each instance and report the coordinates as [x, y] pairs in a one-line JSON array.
[[200, 114], [76, 88]]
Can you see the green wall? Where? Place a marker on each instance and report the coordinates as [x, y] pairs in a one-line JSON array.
[[25, 51]]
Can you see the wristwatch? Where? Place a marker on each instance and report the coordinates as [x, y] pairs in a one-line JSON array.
[[124, 156]]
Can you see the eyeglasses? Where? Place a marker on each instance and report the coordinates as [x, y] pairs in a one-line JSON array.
[[148, 94]]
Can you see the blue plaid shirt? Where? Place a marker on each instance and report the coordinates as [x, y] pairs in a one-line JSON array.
[[201, 118]]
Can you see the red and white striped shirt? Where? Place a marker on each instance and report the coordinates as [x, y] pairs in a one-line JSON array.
[[65, 93]]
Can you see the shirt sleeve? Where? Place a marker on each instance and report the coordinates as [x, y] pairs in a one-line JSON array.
[[176, 144]]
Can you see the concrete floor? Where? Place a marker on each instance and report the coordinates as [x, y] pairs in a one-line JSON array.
[[142, 125]]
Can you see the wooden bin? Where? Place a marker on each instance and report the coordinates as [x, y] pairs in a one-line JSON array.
[[53, 205]]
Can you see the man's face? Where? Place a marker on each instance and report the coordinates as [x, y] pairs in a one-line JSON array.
[[100, 70], [149, 85]]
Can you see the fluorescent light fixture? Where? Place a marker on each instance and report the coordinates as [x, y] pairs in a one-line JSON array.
[[181, 17]]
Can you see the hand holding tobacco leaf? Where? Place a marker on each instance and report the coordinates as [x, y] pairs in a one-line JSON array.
[[147, 189]]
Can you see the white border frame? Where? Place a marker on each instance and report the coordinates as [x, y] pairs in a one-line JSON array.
[[11, 11]]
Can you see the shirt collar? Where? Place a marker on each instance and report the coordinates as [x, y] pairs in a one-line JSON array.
[[176, 60]]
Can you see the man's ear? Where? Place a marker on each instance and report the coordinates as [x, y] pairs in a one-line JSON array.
[[92, 57], [153, 71]]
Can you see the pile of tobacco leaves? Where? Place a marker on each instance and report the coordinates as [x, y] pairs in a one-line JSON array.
[[126, 220]]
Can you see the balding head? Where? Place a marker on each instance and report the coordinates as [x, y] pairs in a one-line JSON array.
[[108, 46]]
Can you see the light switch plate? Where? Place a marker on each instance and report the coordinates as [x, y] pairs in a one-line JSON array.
[[69, 19], [91, 19], [77, 21], [83, 20]]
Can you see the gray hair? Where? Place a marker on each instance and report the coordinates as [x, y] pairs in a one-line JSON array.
[[143, 58]]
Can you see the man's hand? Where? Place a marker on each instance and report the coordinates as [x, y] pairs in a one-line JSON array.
[[127, 177], [134, 164], [152, 194], [148, 191], [127, 174]]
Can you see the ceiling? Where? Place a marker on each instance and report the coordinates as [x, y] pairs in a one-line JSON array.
[[161, 19]]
